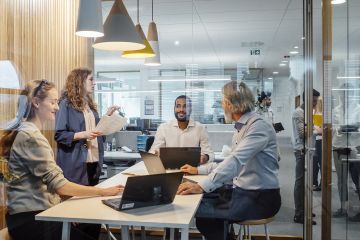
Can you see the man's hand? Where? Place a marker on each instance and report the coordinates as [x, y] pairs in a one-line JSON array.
[[204, 158], [189, 169], [189, 188]]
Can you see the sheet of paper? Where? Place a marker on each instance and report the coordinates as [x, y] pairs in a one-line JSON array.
[[111, 124]]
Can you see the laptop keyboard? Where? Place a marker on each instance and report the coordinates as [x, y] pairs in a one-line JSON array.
[[114, 203]]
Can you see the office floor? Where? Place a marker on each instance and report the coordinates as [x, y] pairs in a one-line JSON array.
[[342, 229]]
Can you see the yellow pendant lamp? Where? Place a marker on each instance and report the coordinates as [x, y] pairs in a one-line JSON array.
[[146, 52]]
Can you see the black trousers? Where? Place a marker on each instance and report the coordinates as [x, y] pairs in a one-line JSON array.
[[317, 162], [92, 173], [24, 226], [218, 209]]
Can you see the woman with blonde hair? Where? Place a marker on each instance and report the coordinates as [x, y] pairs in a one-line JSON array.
[[80, 147], [39, 181]]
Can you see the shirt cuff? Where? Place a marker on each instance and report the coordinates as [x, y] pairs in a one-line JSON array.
[[202, 169], [207, 185]]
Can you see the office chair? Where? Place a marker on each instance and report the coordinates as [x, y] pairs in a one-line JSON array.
[[149, 143]]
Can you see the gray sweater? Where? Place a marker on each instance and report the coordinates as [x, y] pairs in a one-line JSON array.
[[32, 159]]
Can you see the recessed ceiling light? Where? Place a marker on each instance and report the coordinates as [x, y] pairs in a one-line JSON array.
[[270, 78], [338, 1], [294, 52], [275, 73], [282, 64], [284, 61], [177, 42], [296, 47], [302, 38]]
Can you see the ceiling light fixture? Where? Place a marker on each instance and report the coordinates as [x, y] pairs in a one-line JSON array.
[[195, 90], [284, 61], [338, 2], [353, 77], [142, 53], [89, 22], [296, 47], [198, 79], [177, 43], [275, 73], [127, 91], [282, 64], [270, 78], [153, 39], [293, 52], [119, 31]]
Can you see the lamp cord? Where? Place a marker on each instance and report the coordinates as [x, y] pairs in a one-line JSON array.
[[152, 10], [138, 12]]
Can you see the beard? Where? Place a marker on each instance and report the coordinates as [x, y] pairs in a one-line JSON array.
[[228, 117], [183, 118]]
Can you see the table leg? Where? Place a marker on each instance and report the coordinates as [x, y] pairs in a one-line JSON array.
[[172, 233], [66, 231], [185, 234], [124, 232]]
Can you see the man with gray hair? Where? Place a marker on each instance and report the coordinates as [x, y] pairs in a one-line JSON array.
[[252, 167]]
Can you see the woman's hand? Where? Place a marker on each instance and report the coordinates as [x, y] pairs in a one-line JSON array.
[[112, 109], [189, 169], [89, 135], [111, 191], [189, 188]]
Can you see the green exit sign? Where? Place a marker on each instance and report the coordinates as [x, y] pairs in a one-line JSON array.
[[255, 52]]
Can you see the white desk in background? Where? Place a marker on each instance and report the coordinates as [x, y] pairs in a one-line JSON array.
[[92, 210], [121, 155]]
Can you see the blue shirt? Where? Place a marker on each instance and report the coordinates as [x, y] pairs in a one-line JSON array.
[[252, 163]]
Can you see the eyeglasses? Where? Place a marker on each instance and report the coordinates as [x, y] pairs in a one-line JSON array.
[[42, 83]]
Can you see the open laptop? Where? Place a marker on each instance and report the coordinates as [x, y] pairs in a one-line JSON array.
[[176, 157], [152, 163], [147, 190]]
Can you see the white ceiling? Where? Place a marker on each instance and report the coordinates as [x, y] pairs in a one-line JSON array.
[[211, 32]]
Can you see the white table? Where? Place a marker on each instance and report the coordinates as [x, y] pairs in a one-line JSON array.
[[92, 210], [121, 155]]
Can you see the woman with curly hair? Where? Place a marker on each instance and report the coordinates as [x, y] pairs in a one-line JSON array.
[[80, 148]]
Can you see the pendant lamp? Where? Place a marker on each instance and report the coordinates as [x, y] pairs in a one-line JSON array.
[[89, 22], [142, 53], [119, 31], [153, 40]]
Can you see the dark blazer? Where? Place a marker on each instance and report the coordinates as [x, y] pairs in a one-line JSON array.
[[71, 155]]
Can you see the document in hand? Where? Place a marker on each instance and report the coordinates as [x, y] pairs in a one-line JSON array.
[[111, 124]]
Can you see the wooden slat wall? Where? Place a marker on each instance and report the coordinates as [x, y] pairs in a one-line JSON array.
[[38, 36]]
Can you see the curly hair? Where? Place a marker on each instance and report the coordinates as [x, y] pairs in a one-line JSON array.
[[241, 99], [74, 89]]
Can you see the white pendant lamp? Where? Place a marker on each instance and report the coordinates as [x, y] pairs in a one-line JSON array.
[[119, 31], [153, 40], [146, 52], [89, 22]]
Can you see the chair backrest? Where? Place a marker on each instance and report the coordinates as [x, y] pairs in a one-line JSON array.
[[149, 143]]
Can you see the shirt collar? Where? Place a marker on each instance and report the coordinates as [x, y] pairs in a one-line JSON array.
[[175, 123], [243, 120]]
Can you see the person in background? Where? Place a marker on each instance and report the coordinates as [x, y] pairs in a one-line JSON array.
[[318, 147], [183, 131], [298, 124], [252, 167], [263, 107], [80, 148], [346, 140], [39, 181]]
